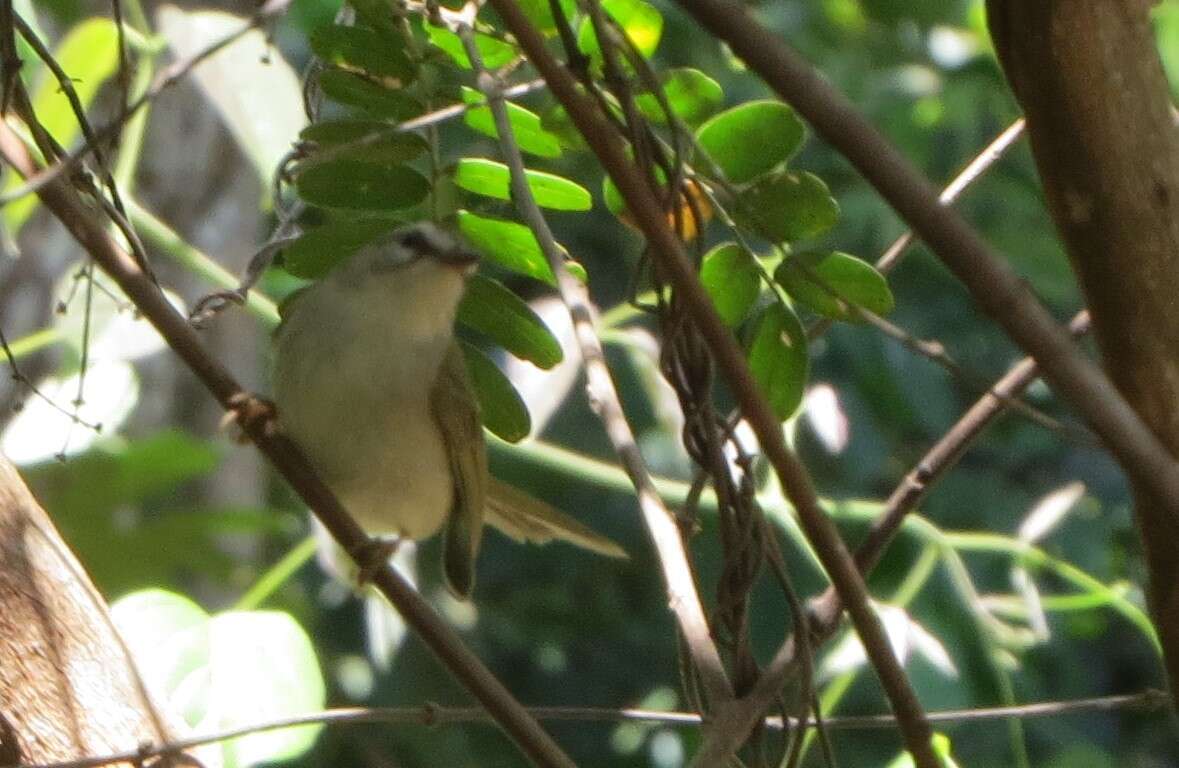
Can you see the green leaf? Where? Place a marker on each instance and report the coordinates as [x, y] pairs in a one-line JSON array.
[[691, 94], [318, 250], [751, 139], [731, 279], [812, 278], [389, 146], [787, 207], [365, 49], [227, 671], [495, 52], [530, 135], [504, 412], [491, 309], [89, 55], [640, 20], [778, 358], [361, 185], [492, 179], [375, 100], [506, 244], [540, 13]]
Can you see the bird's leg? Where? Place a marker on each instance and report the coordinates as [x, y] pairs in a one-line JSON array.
[[250, 412], [374, 555]]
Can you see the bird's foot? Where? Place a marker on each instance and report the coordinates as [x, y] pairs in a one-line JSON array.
[[252, 414], [373, 556]]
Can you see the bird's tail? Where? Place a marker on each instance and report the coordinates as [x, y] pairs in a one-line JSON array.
[[526, 519]]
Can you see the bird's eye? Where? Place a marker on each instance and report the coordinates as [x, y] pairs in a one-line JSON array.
[[417, 241]]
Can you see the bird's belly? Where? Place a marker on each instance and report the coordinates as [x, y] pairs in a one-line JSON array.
[[392, 474]]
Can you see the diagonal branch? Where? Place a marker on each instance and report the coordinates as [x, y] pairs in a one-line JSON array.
[[1000, 293], [286, 457], [674, 265], [603, 396]]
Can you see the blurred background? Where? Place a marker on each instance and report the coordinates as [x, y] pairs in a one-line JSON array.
[[162, 498]]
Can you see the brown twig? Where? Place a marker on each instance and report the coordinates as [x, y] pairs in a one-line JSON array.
[[287, 458], [603, 397], [795, 480], [999, 292]]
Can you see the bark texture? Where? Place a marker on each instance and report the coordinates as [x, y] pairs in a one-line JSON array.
[[67, 687], [1089, 79]]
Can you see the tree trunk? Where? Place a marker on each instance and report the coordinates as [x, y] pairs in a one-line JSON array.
[[68, 688], [1088, 76]]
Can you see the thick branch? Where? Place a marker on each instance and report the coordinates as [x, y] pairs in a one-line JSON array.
[[1088, 76], [286, 457]]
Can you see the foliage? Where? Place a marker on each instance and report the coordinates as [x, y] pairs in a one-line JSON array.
[[783, 235]]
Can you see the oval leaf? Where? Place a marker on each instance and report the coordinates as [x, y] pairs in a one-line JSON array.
[[751, 139], [529, 133], [691, 94], [778, 358], [640, 20], [318, 250], [492, 179], [507, 244], [374, 141], [540, 13], [493, 310], [360, 185], [364, 49], [731, 278], [503, 410], [787, 207], [495, 53], [829, 283], [375, 100]]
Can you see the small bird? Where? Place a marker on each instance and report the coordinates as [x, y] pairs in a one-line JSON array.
[[371, 383]]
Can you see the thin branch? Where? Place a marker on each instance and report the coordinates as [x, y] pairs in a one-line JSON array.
[[999, 292], [430, 715], [287, 458], [603, 397], [676, 268], [826, 608]]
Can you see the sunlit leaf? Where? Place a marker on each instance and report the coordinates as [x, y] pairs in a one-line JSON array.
[[375, 100], [364, 49], [751, 139], [504, 412], [787, 207], [831, 282], [730, 276], [526, 128], [492, 179], [778, 358], [507, 244], [230, 670], [639, 20], [495, 53], [360, 185], [89, 54], [502, 316]]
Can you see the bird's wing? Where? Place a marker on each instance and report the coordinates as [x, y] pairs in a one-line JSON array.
[[525, 518], [456, 413]]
